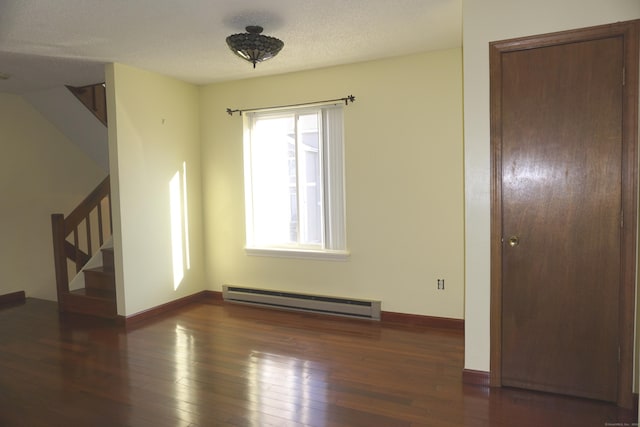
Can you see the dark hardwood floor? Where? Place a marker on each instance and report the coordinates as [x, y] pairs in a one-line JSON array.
[[216, 364]]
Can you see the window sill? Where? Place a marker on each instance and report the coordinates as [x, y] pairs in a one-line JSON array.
[[299, 253]]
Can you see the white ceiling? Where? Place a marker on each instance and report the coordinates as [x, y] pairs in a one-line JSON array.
[[46, 43]]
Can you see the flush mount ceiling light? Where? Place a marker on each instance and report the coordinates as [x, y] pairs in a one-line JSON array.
[[253, 46]]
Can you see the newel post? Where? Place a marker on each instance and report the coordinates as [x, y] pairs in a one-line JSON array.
[[59, 256]]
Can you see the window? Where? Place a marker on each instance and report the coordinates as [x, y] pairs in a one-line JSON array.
[[294, 186]]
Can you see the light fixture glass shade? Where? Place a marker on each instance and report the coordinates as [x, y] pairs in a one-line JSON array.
[[253, 46]]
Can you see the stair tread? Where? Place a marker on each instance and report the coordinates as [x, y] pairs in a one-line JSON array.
[[95, 293], [92, 302], [100, 270]]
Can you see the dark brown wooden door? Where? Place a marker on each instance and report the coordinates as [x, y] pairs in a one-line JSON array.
[[562, 109]]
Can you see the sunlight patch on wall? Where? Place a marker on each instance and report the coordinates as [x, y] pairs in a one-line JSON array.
[[179, 225], [186, 215]]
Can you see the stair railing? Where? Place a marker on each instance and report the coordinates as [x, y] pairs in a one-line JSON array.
[[89, 211]]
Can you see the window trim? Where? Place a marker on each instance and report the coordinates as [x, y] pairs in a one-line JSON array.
[[322, 255]]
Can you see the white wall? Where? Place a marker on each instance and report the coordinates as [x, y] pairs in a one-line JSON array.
[[153, 131], [486, 21], [404, 189], [41, 173]]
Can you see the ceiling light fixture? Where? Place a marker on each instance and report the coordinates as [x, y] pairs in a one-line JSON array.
[[253, 46]]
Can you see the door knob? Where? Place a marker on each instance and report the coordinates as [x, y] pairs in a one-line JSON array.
[[514, 241]]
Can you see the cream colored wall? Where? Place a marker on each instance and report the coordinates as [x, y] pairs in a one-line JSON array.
[[486, 21], [153, 129], [404, 183], [41, 172]]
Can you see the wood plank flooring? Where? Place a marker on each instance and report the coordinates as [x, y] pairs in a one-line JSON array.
[[216, 364]]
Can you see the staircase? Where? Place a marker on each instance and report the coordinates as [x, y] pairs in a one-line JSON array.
[[98, 297], [80, 235], [75, 240]]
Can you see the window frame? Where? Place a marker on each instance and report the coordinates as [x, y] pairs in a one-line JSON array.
[[333, 216]]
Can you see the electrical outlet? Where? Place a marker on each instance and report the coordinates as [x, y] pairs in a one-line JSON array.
[[441, 284]]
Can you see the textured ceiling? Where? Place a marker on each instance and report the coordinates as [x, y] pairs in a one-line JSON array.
[[45, 43]]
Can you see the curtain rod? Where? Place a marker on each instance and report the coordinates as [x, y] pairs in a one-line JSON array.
[[346, 100]]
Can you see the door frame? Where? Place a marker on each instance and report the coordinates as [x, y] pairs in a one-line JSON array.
[[630, 31]]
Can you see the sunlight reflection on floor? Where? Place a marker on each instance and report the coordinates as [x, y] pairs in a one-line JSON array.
[[285, 386]]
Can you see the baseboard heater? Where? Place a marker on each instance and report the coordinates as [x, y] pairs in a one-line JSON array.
[[362, 309]]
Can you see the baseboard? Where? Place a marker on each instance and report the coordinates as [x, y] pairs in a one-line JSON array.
[[469, 376], [135, 319], [419, 320], [13, 298], [216, 297], [212, 296]]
